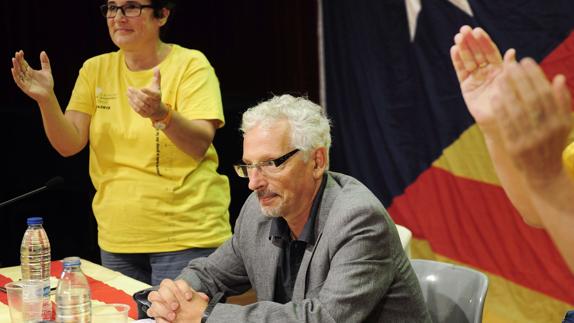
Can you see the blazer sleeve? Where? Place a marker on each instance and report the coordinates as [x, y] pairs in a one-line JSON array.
[[223, 271]]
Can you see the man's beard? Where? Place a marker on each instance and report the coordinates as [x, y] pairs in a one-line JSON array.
[[269, 211]]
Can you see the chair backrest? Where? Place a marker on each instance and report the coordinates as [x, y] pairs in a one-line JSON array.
[[405, 235], [453, 293]]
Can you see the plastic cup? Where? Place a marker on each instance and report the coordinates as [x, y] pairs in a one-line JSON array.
[[110, 313], [25, 300]]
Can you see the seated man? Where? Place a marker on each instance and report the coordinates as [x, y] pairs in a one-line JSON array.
[[525, 120], [315, 245]]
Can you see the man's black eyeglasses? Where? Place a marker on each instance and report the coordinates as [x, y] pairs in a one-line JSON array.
[[128, 9], [266, 167]]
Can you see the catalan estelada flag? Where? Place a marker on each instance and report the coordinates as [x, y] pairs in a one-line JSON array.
[[402, 128]]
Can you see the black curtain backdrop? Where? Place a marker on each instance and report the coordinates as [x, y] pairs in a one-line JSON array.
[[387, 132], [258, 48]]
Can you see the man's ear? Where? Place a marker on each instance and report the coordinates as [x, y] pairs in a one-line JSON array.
[[319, 162]]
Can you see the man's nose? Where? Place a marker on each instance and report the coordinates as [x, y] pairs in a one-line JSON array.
[[256, 179]]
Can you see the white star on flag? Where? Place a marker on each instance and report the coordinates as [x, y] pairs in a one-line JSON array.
[[414, 8]]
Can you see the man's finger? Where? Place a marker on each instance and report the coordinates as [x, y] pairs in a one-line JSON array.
[[158, 308], [173, 294], [203, 296], [184, 292], [158, 315], [185, 289], [170, 292], [153, 296]]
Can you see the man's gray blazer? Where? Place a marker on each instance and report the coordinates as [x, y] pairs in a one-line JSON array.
[[356, 271]]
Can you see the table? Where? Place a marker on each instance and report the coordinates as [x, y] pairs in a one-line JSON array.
[[107, 286]]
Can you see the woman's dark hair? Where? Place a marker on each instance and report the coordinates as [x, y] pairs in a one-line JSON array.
[[160, 4]]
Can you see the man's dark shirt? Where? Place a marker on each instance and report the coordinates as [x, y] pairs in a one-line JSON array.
[[292, 251]]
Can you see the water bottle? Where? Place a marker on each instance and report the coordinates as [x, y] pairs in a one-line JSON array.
[[73, 294], [35, 260]]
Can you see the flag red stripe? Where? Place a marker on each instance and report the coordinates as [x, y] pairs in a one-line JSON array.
[[561, 61], [475, 223]]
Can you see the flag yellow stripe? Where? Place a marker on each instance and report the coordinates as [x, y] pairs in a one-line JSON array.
[[467, 157]]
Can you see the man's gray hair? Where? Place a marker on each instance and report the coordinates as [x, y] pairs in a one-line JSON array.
[[310, 127]]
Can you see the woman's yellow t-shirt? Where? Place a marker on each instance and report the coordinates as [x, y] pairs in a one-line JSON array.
[[151, 196]]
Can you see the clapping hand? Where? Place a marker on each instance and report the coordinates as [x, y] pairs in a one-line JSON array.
[[37, 84], [534, 119], [478, 63], [147, 101]]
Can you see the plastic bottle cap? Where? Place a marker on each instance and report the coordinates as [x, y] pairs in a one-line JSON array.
[[35, 220], [71, 261]]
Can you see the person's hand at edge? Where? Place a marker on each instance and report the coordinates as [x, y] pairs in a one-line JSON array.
[[477, 63], [534, 119]]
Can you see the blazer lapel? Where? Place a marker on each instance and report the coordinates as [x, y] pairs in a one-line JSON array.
[[329, 194], [301, 281]]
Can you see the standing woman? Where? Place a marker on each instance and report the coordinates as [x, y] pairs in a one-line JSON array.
[[149, 112]]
